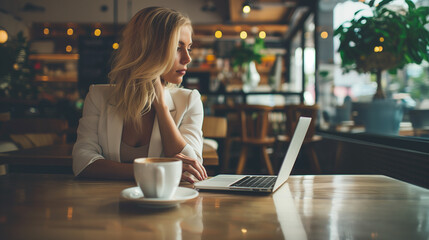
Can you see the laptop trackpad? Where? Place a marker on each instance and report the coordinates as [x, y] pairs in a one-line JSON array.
[[222, 180]]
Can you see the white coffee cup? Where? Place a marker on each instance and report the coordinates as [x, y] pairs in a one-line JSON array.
[[158, 177]]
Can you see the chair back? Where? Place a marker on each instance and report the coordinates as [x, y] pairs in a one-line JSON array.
[[294, 112], [214, 127], [254, 121], [232, 118], [36, 132]]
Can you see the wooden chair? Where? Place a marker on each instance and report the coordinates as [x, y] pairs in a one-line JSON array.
[[293, 112], [214, 130], [35, 132], [233, 133], [254, 133], [214, 127]]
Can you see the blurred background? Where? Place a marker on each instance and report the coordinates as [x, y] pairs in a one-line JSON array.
[[270, 52]]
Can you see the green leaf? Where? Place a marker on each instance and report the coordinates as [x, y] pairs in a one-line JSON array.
[[382, 3], [410, 4], [392, 71], [356, 13], [339, 30]]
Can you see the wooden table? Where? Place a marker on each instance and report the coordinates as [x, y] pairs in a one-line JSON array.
[[50, 206], [61, 156]]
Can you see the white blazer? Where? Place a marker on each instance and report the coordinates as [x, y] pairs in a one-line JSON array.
[[100, 129]]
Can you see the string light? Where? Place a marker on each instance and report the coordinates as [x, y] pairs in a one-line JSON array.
[[70, 31], [115, 45], [381, 39], [324, 34], [69, 48], [262, 34], [46, 31], [3, 36], [218, 34], [378, 48], [246, 9], [97, 32], [243, 34]]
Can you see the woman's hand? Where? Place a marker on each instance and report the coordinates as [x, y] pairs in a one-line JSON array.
[[192, 166], [159, 92]]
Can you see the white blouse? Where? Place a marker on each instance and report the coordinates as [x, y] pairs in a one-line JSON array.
[[129, 153], [100, 128]]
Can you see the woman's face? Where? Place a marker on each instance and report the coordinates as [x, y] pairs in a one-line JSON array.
[[176, 73]]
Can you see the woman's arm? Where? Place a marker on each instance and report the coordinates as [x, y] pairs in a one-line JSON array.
[[88, 157], [108, 169], [87, 149], [172, 140]]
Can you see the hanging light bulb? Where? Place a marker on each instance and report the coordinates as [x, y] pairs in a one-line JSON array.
[[324, 34], [46, 31], [243, 34], [69, 48], [3, 36], [246, 8], [97, 32]]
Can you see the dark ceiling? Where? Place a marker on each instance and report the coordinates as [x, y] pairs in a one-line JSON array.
[[278, 17]]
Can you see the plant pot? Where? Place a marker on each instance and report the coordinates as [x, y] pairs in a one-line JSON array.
[[250, 77], [383, 116]]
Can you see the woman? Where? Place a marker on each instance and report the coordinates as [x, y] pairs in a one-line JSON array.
[[138, 115]]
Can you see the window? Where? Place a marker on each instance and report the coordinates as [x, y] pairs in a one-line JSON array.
[[345, 98]]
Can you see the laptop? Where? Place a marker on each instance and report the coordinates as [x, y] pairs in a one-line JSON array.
[[261, 183]]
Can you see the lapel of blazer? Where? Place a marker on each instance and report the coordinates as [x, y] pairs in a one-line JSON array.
[[114, 133], [155, 146]]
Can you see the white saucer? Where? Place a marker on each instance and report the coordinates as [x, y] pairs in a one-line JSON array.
[[134, 194]]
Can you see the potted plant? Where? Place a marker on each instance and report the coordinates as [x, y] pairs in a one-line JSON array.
[[387, 40], [244, 57]]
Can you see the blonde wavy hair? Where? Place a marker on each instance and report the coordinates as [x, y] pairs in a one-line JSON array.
[[147, 50]]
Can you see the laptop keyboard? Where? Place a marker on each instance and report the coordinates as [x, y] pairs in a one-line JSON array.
[[255, 182]]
